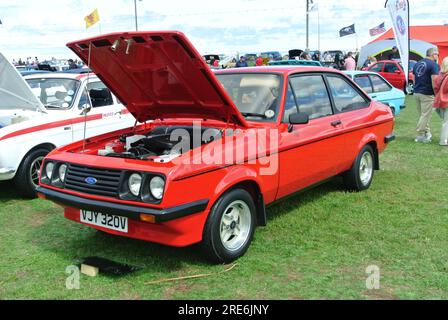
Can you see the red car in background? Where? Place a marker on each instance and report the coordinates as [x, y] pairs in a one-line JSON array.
[[394, 73], [310, 124]]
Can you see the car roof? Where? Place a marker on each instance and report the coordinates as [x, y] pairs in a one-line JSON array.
[[65, 75], [356, 72], [287, 69]]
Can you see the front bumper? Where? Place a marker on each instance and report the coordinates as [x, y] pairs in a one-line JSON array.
[[7, 173], [132, 212]]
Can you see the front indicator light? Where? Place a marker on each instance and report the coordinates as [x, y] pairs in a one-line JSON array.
[[156, 187], [148, 218], [49, 169], [62, 170], [134, 183]]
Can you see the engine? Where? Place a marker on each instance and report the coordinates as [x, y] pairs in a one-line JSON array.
[[164, 142]]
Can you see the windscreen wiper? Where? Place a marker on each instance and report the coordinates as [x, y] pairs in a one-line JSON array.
[[250, 114]]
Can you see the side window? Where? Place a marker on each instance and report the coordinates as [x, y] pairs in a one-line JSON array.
[[364, 82], [391, 68], [379, 85], [345, 96], [100, 95], [312, 96], [377, 67], [290, 104]]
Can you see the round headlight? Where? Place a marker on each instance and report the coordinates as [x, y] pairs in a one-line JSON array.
[[134, 183], [156, 186], [62, 170], [49, 169]]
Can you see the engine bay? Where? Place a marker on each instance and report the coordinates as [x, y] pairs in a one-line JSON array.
[[163, 143]]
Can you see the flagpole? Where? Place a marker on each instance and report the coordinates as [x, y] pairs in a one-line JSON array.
[[307, 25], [318, 29]]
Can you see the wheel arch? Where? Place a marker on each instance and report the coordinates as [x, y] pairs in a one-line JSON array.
[[253, 188]]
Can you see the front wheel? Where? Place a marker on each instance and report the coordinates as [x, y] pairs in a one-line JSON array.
[[230, 227], [409, 88], [360, 176], [27, 177]]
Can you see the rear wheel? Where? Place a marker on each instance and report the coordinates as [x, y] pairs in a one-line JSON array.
[[27, 177], [230, 227], [360, 176]]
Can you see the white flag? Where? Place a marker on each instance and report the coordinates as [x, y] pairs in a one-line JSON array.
[[399, 12], [313, 5]]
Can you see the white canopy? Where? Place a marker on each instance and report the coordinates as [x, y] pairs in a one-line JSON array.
[[378, 47], [15, 93]]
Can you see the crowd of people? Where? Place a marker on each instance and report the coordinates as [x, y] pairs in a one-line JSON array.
[[31, 64]]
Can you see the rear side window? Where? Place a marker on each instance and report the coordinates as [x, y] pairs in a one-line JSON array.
[[345, 96], [100, 95], [364, 82], [391, 68], [379, 85], [377, 67], [311, 95]]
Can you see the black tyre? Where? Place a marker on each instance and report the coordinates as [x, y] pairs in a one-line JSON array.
[[360, 176], [409, 88], [230, 226], [27, 177]]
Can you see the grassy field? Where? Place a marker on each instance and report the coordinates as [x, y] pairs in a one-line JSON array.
[[316, 246]]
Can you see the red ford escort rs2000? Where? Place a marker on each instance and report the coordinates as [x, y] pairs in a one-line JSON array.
[[212, 150]]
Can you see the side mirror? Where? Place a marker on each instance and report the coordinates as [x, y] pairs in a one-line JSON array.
[[299, 118], [85, 108]]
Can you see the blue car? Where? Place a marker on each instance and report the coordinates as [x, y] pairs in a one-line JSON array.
[[379, 89]]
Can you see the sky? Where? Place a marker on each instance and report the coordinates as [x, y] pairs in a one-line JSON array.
[[42, 28]]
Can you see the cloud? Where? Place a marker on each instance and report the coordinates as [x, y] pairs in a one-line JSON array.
[[42, 28]]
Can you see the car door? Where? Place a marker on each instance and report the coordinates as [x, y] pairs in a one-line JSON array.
[[307, 152], [352, 107], [106, 113], [384, 92], [393, 74]]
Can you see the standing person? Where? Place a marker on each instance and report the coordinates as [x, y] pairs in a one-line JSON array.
[[394, 55], [259, 60], [441, 100], [350, 62], [241, 63], [339, 62], [425, 72], [72, 65]]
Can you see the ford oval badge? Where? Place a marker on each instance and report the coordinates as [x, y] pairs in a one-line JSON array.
[[90, 180]]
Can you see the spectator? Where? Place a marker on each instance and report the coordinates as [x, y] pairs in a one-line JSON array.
[[349, 63], [338, 62], [316, 56], [369, 61], [72, 64], [241, 63], [441, 100], [259, 60], [394, 55], [425, 73]]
